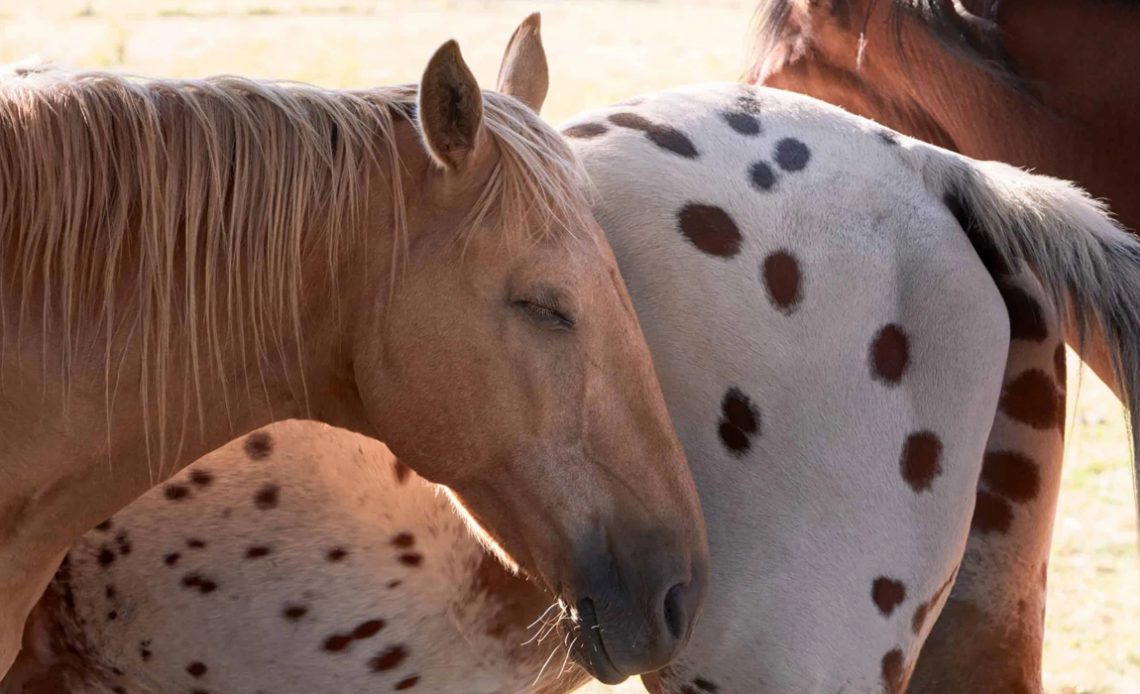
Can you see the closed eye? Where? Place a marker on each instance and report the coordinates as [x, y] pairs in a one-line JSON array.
[[546, 315]]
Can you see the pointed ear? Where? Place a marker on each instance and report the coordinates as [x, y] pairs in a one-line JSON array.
[[524, 74], [450, 108]]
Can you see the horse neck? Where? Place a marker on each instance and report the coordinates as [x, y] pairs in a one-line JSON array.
[[1074, 123], [88, 433]]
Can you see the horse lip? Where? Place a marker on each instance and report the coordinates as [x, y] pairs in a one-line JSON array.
[[592, 648]]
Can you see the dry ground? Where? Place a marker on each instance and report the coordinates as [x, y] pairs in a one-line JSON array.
[[601, 51]]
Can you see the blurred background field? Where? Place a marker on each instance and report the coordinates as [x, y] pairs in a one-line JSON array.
[[600, 51]]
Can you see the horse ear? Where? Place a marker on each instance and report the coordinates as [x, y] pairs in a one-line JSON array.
[[524, 73], [450, 108]]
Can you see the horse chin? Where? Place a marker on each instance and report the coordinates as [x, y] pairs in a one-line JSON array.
[[587, 647]]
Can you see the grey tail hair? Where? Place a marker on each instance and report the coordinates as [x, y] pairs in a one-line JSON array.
[[1087, 262]]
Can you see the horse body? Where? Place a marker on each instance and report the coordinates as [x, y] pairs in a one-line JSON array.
[[836, 314], [299, 558], [833, 375], [187, 261], [992, 81]]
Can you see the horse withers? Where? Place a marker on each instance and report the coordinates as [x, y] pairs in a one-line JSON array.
[[187, 261]]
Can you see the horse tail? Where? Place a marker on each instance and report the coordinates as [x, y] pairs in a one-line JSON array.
[[1087, 262]]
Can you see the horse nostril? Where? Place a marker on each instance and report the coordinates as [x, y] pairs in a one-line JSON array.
[[675, 610]]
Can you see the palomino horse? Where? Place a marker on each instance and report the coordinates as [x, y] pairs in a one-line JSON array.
[[187, 261], [836, 313], [1046, 84]]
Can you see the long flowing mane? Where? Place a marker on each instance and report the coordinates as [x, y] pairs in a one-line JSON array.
[[974, 39], [182, 211]]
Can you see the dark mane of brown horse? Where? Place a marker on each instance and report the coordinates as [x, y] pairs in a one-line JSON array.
[[975, 38]]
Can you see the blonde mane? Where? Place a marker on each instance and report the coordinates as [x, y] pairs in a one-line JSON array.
[[182, 211]]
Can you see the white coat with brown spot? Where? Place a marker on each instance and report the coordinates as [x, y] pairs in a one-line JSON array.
[[836, 314], [301, 558]]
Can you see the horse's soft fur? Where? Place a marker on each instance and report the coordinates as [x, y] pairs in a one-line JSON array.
[[1046, 85], [341, 569], [201, 199], [974, 37], [858, 356], [826, 578], [417, 265]]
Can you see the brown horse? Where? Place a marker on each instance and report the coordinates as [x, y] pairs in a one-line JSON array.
[[185, 261], [1048, 84]]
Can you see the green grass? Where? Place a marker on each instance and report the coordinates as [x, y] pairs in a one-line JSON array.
[[600, 51]]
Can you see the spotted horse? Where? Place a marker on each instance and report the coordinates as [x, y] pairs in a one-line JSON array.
[[857, 337]]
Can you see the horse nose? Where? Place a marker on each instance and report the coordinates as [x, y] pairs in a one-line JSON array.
[[680, 604], [624, 631]]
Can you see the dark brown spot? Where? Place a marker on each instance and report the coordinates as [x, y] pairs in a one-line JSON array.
[[176, 492], [145, 652], [266, 497], [991, 257], [921, 460], [710, 229], [402, 471], [403, 540], [762, 176], [368, 629], [704, 685], [200, 583], [783, 280], [202, 478], [195, 543], [992, 514], [257, 552], [407, 683], [118, 690], [295, 612], [1011, 474], [739, 422], [104, 526], [109, 592], [337, 642], [890, 354], [585, 130], [791, 154], [258, 445], [394, 584], [887, 594], [894, 673], [1026, 319], [113, 615], [106, 557], [661, 135], [388, 659], [336, 554], [1031, 399], [123, 543], [196, 669], [411, 558], [741, 122], [171, 559]]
